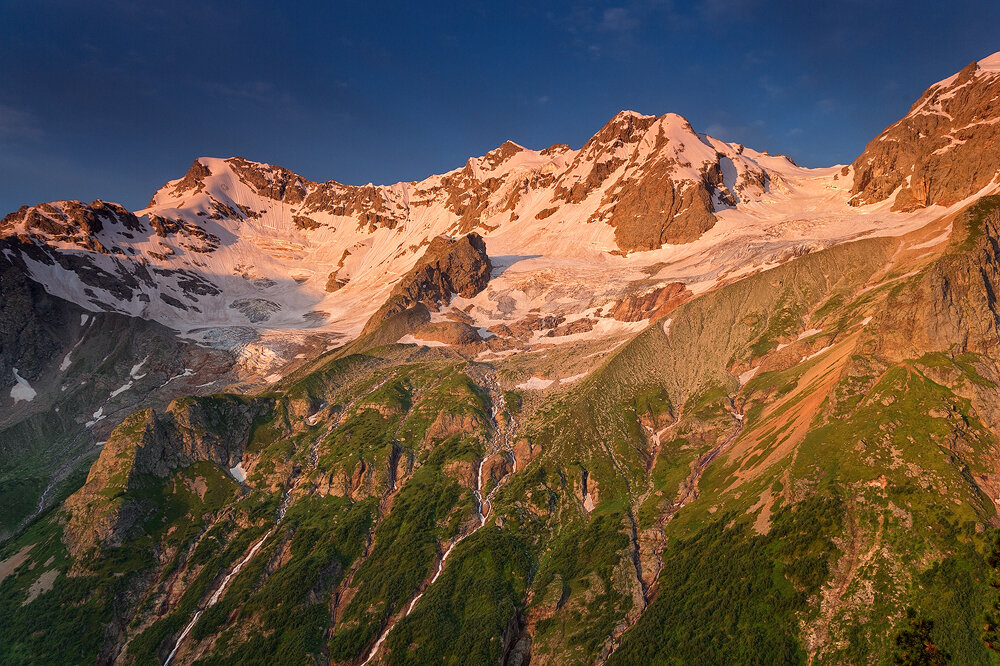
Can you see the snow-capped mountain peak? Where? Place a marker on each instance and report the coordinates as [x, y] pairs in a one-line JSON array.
[[237, 242]]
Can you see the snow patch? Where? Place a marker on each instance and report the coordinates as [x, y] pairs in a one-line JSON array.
[[22, 390], [934, 241], [238, 472], [410, 340], [815, 354], [136, 368], [748, 375], [187, 373], [536, 384], [489, 353], [97, 416], [121, 389]]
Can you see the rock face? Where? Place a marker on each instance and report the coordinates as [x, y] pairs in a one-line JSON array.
[[665, 195], [650, 305], [952, 307], [945, 149], [148, 445], [449, 266], [659, 182], [30, 324], [449, 333]]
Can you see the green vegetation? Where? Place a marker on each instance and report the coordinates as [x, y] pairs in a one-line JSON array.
[[463, 617], [915, 646], [579, 572], [405, 553], [728, 596], [991, 624], [322, 537]]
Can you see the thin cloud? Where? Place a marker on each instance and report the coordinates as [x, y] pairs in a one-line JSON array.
[[827, 105], [18, 124], [618, 19], [613, 30]]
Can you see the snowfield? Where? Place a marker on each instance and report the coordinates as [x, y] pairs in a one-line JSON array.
[[241, 259]]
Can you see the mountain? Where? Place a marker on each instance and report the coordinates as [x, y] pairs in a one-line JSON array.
[[943, 150], [662, 399]]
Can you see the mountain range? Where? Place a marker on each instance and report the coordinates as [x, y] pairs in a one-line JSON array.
[[659, 399]]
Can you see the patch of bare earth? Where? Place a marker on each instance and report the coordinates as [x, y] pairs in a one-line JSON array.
[[44, 584], [791, 415], [8, 566]]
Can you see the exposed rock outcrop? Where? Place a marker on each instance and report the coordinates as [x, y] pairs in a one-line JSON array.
[[30, 324], [147, 446], [944, 150], [650, 305], [449, 266], [664, 181], [951, 306], [449, 333]]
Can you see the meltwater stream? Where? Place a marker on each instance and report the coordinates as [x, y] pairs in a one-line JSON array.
[[218, 594], [214, 599], [500, 446]]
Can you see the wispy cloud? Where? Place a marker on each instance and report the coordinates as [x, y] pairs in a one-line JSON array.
[[18, 124], [613, 30], [748, 132], [827, 105], [619, 19]]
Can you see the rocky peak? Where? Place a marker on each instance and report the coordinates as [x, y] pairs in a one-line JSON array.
[[147, 446], [192, 182], [273, 182], [449, 266], [85, 226], [943, 151], [501, 154], [661, 182], [625, 128]]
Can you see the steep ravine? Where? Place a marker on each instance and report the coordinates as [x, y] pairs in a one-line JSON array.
[[499, 445], [687, 492]]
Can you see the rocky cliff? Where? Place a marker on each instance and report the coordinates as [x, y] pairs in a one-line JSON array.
[[449, 267], [145, 448], [944, 150]]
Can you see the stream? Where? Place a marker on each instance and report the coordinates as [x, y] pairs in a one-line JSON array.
[[214, 599], [688, 492], [499, 445]]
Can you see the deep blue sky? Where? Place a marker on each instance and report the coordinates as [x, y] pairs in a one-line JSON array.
[[109, 99]]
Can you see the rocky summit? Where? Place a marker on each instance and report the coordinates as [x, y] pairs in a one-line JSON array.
[[658, 399]]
